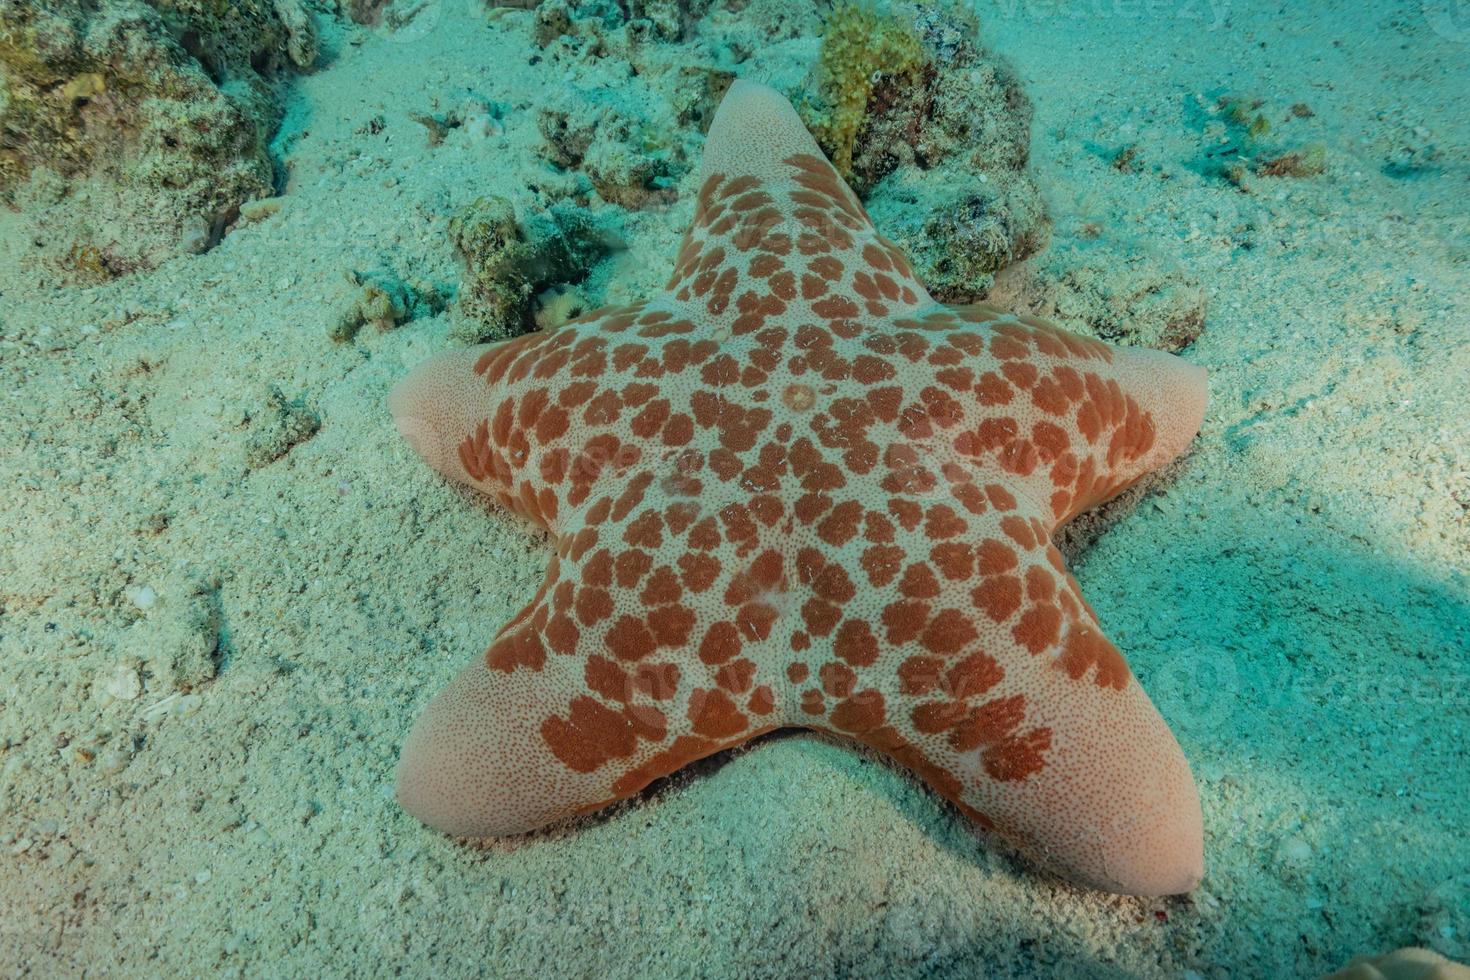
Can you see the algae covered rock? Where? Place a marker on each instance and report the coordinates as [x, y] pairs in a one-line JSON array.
[[1133, 301], [913, 88], [135, 130], [277, 427], [509, 259], [958, 233], [868, 59], [180, 645], [666, 17], [631, 160], [1122, 295], [380, 295], [934, 134]]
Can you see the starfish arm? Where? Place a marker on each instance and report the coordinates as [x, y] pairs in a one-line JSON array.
[[987, 674], [776, 230], [497, 754], [585, 696], [527, 421], [1075, 421]]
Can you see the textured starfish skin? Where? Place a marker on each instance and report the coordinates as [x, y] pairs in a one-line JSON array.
[[792, 490]]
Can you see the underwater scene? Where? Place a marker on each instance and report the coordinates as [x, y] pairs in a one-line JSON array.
[[735, 489]]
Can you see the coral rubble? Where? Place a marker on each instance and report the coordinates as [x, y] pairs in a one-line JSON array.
[[133, 131]]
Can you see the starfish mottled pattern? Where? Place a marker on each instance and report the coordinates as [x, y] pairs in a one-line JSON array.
[[792, 490]]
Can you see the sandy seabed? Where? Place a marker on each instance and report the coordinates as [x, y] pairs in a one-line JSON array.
[[1294, 595]]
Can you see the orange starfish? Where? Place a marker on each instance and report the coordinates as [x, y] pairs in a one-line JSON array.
[[792, 490]]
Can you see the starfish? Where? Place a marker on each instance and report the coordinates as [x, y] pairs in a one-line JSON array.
[[792, 490]]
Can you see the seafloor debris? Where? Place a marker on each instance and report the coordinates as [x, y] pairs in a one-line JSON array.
[[599, 27], [135, 130], [1242, 142], [474, 115], [1126, 160], [1307, 162], [1410, 151], [381, 300]]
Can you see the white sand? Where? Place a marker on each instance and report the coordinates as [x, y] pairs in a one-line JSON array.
[[1294, 596]]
